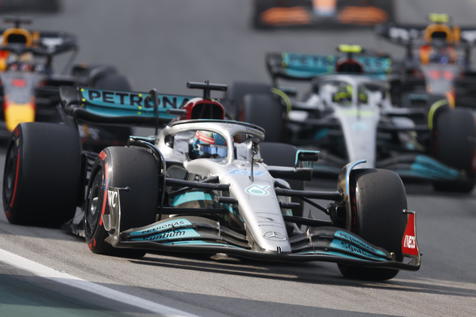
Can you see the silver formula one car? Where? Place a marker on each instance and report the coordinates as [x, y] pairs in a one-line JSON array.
[[208, 185], [348, 112]]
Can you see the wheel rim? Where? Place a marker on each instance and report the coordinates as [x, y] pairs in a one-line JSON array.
[[93, 210], [10, 176]]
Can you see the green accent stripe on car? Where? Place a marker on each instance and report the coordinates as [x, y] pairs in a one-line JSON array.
[[191, 196]]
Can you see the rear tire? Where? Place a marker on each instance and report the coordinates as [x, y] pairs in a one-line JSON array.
[[114, 81], [379, 199], [122, 167], [454, 145], [266, 111], [42, 175], [235, 95], [464, 91]]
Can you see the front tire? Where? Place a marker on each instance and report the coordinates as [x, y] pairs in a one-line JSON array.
[[42, 175], [122, 167], [378, 200]]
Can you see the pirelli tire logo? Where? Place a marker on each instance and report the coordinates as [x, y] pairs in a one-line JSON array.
[[409, 242]]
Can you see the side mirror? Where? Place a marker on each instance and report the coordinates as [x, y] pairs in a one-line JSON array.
[[305, 158]]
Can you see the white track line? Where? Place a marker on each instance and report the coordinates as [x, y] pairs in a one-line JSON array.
[[76, 282]]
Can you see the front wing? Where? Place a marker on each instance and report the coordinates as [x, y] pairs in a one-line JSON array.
[[192, 234], [296, 13]]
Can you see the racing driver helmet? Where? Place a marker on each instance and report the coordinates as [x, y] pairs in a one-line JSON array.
[[439, 39], [206, 144], [343, 95]]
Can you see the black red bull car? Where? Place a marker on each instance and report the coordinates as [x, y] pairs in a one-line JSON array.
[[29, 81], [302, 13], [437, 62]]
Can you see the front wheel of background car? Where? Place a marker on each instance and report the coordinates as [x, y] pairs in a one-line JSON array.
[[378, 200], [454, 144], [234, 98], [135, 171], [266, 111], [42, 175]]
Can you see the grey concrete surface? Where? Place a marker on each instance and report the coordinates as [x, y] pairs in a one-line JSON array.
[[163, 44]]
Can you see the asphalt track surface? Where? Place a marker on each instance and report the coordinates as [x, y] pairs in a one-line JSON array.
[[163, 44]]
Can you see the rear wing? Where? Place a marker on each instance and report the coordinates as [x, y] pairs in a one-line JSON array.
[[53, 42], [405, 34], [121, 107], [58, 42], [293, 66]]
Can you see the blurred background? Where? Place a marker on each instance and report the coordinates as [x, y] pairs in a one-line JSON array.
[[163, 43]]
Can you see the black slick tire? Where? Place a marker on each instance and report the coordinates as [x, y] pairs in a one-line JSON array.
[[378, 200], [234, 98], [42, 174], [454, 144], [266, 111], [133, 168]]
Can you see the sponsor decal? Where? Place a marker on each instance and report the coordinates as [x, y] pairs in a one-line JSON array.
[[113, 198], [360, 126], [469, 36], [359, 242], [163, 226], [111, 215], [318, 63], [134, 100], [18, 82], [409, 242], [52, 41], [245, 172], [269, 221], [171, 235], [349, 247], [258, 190], [274, 235]]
